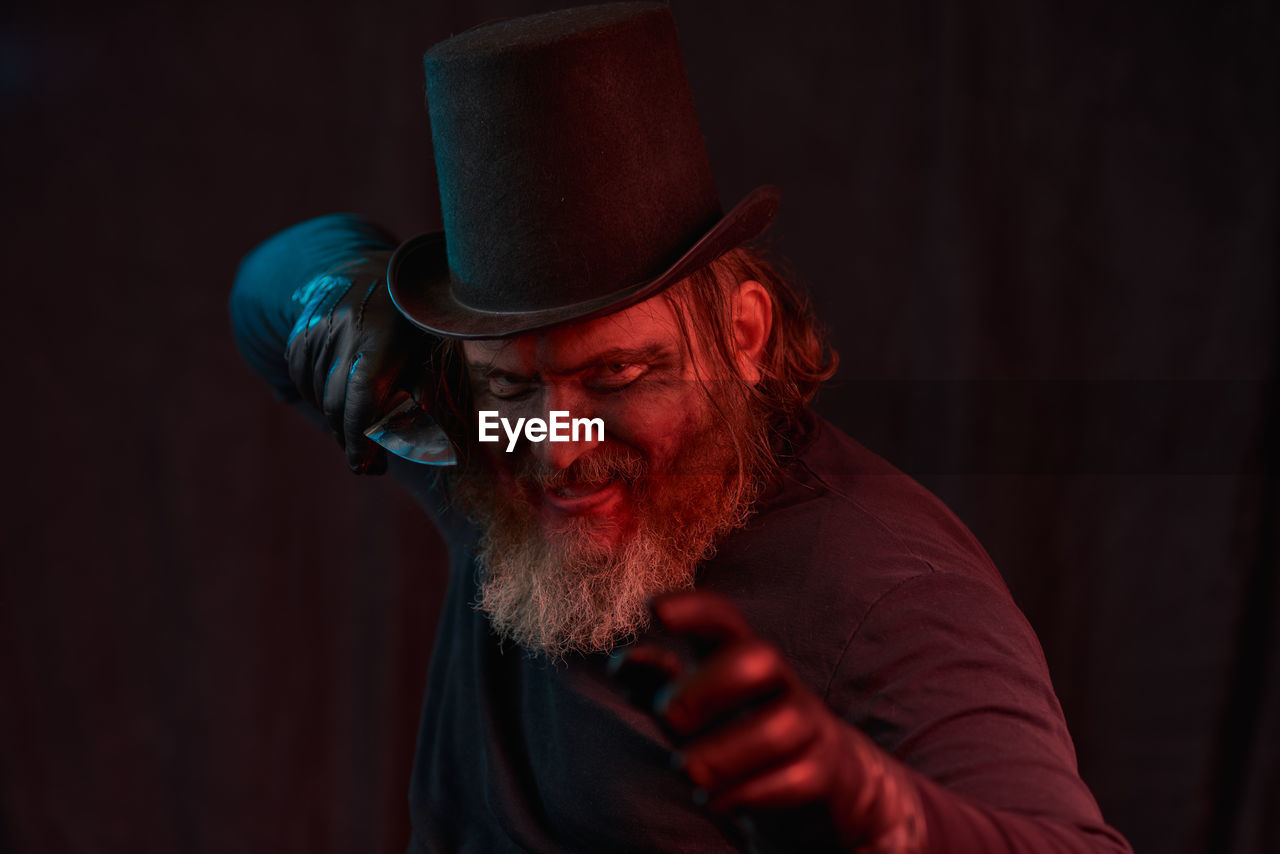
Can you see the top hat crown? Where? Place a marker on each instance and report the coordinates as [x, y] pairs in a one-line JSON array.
[[574, 179]]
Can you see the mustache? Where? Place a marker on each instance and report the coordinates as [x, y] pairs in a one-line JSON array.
[[601, 464]]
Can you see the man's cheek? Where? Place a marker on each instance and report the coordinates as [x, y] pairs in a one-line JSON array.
[[502, 469], [669, 439]]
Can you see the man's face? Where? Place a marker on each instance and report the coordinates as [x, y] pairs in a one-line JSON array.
[[629, 370], [580, 534]]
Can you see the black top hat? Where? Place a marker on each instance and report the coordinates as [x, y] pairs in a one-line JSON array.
[[574, 178]]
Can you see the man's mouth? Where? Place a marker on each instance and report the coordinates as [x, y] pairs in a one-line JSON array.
[[577, 498]]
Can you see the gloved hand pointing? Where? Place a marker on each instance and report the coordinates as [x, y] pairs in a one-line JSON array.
[[756, 741]]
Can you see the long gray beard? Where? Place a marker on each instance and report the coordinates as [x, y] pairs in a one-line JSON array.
[[565, 591], [568, 592]]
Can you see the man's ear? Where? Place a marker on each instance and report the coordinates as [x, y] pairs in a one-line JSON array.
[[752, 320]]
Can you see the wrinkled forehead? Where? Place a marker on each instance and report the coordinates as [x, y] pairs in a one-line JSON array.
[[650, 325]]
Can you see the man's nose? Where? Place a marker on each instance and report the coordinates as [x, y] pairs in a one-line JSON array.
[[564, 398]]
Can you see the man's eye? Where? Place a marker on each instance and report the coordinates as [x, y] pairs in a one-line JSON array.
[[508, 387], [613, 376]]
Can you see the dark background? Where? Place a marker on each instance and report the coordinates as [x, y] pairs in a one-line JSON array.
[[1044, 234]]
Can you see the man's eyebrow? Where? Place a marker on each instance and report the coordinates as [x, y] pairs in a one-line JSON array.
[[487, 369], [647, 352]]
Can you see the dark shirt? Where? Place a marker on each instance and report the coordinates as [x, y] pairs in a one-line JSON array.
[[881, 600]]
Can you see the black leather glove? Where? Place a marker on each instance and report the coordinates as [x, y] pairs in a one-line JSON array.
[[351, 352], [761, 746]]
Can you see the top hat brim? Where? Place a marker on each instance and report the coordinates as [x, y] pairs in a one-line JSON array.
[[421, 285]]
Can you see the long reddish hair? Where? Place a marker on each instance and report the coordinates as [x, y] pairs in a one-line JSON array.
[[797, 357]]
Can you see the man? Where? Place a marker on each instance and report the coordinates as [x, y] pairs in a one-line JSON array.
[[716, 621]]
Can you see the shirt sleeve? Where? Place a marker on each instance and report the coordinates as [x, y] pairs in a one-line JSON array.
[[265, 298], [273, 287], [947, 675]]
